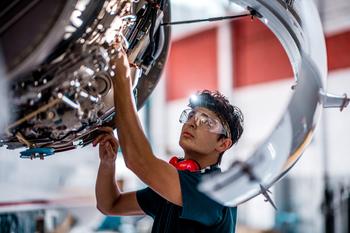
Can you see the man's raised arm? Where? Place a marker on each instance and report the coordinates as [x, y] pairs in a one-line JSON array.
[[156, 173]]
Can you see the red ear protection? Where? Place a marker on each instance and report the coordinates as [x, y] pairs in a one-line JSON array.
[[184, 164]]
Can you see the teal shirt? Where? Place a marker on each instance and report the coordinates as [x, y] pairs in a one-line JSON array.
[[199, 213]]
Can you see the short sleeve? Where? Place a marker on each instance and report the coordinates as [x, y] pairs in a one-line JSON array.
[[149, 201], [196, 205]]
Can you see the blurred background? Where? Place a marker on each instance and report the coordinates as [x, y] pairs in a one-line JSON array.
[[243, 60]]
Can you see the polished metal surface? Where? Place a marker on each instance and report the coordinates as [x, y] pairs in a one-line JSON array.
[[60, 80], [297, 26]]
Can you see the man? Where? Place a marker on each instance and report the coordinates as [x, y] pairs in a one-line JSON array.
[[211, 126]]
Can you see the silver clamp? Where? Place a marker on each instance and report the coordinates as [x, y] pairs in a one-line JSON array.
[[334, 101]]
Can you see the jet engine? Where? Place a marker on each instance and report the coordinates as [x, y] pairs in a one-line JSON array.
[[57, 62]]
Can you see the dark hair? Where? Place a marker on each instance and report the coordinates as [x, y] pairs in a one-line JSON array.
[[228, 114]]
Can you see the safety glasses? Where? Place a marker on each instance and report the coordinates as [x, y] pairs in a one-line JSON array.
[[202, 119]]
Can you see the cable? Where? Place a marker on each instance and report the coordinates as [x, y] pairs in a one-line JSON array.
[[207, 19]]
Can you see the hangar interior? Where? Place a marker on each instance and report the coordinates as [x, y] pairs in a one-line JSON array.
[[243, 59]]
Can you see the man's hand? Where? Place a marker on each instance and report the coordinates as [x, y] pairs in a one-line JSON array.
[[108, 145], [121, 67], [110, 200]]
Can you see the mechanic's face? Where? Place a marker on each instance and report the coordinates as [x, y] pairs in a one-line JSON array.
[[197, 135]]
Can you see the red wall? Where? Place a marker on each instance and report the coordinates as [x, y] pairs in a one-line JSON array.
[[338, 51], [257, 54], [258, 57], [192, 65]]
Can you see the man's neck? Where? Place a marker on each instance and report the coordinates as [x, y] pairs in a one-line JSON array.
[[204, 160]]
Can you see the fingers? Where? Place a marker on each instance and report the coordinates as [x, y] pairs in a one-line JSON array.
[[121, 66], [118, 44], [112, 144], [110, 150], [97, 140], [104, 131], [108, 143], [108, 138], [104, 140], [107, 153]]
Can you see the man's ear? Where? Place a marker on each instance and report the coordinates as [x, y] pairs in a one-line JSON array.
[[224, 144]]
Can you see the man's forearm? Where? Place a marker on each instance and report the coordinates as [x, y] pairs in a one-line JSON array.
[[107, 192], [134, 144]]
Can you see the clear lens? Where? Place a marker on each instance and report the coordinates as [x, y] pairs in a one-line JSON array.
[[184, 116], [202, 120]]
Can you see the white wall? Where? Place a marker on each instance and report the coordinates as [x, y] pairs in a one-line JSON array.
[[335, 15]]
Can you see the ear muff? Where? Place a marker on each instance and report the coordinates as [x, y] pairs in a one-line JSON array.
[[185, 164]]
